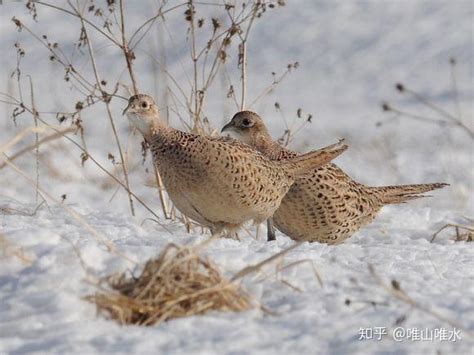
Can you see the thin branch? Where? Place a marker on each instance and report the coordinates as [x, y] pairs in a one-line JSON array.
[[151, 20], [195, 70], [106, 101], [451, 225], [20, 136], [46, 139], [270, 88], [455, 87], [243, 77], [35, 120], [396, 291], [111, 247], [98, 29], [67, 65], [427, 103], [456, 121], [126, 51], [248, 269]]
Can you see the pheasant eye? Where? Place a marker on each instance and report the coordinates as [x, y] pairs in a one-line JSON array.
[[144, 104]]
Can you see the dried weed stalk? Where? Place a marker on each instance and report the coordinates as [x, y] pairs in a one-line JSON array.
[[37, 143], [444, 119], [466, 236], [396, 291], [8, 249], [101, 238], [297, 123]]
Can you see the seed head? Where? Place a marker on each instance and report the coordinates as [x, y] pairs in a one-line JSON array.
[[396, 285]]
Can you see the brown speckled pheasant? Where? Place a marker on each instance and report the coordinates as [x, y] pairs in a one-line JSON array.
[[326, 206], [218, 182]]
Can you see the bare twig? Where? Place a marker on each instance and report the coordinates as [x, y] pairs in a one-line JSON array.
[[396, 291], [126, 51], [243, 53], [39, 142], [98, 29], [106, 101], [18, 137], [469, 229], [194, 58], [35, 119], [270, 87], [252, 268], [8, 249], [452, 62], [448, 118], [161, 192], [111, 247]]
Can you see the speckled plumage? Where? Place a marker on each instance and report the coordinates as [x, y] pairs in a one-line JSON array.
[[218, 182], [327, 205]]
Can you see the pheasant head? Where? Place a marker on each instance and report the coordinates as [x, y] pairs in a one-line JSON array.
[[248, 127], [142, 113]]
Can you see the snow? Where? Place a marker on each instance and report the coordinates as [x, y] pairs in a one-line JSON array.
[[42, 308], [350, 54]]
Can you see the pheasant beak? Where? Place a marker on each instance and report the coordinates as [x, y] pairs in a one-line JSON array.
[[227, 127], [126, 110]]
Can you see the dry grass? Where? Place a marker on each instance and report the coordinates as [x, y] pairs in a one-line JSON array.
[[395, 290], [8, 249], [442, 117], [464, 233], [178, 283]]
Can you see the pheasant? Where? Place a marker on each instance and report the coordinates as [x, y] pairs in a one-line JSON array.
[[219, 182], [327, 205]]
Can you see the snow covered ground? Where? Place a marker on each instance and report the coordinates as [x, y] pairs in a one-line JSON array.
[[351, 54], [42, 310]]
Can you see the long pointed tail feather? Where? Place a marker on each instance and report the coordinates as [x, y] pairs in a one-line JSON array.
[[305, 163], [403, 193]]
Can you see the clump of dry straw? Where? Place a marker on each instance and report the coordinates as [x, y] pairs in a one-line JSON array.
[[178, 283]]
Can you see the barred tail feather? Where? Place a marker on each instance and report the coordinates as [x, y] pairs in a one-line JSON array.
[[305, 163], [404, 193]]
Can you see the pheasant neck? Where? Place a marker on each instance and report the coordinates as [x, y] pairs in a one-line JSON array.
[[158, 128], [264, 144]]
